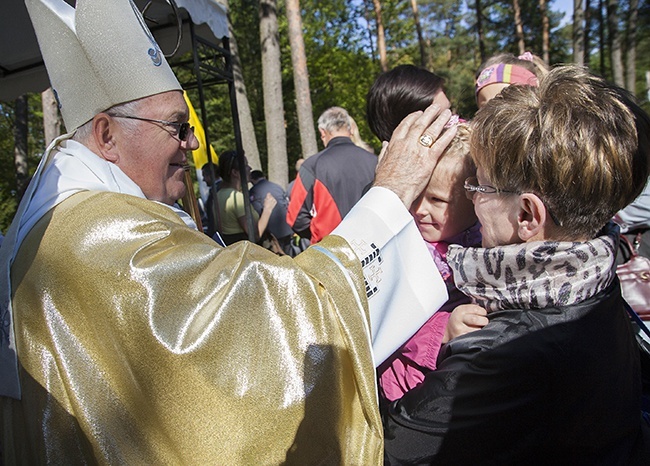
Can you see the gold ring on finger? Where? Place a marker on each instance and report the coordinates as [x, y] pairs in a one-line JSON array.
[[426, 140]]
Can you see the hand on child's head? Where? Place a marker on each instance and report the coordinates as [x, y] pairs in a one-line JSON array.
[[418, 141], [464, 319]]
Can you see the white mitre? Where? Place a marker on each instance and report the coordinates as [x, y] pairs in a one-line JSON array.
[[98, 55]]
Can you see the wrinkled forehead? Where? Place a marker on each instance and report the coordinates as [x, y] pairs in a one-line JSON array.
[[170, 104]]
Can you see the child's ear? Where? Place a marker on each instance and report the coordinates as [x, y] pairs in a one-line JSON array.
[[532, 218]]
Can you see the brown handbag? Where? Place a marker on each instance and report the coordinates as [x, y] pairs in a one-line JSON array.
[[634, 276]]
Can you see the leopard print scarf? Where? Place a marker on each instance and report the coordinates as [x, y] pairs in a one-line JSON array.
[[535, 275]]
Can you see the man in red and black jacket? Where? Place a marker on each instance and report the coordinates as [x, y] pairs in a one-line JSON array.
[[332, 181]]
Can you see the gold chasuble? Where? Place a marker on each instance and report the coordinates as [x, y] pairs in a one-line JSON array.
[[251, 358]]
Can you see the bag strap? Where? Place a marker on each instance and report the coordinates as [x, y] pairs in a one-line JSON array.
[[630, 246], [637, 319]]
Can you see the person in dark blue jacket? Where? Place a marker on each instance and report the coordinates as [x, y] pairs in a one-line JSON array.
[[278, 226]]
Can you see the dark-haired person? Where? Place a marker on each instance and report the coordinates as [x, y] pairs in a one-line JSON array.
[[277, 226], [399, 92], [230, 201]]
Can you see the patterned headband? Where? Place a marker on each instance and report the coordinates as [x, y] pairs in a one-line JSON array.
[[508, 74]]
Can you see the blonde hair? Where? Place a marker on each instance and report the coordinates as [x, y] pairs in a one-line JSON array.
[[458, 150], [355, 136], [572, 141]]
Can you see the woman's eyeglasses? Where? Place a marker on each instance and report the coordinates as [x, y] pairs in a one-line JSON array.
[[472, 187]]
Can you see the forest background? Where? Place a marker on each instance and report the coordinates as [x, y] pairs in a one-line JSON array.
[[346, 45]]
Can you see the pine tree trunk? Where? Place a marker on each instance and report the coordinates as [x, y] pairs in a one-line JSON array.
[[301, 80], [630, 58], [381, 37], [587, 32], [519, 27], [545, 31], [366, 15], [479, 30], [578, 33], [243, 108], [20, 144], [616, 55], [424, 59], [601, 36], [276, 137], [52, 122]]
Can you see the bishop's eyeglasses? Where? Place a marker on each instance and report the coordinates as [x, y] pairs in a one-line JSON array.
[[182, 129]]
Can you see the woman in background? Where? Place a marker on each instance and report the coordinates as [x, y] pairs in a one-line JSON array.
[[232, 216]]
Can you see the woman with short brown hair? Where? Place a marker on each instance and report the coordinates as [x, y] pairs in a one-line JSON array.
[[554, 376]]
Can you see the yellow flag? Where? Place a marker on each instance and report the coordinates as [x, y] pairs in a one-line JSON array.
[[200, 155]]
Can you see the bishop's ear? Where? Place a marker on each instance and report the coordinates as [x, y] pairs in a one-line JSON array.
[[103, 137], [533, 218]]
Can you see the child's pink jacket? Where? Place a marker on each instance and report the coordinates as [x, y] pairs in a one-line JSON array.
[[406, 368]]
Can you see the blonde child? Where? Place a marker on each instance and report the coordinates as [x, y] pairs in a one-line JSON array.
[[444, 215]]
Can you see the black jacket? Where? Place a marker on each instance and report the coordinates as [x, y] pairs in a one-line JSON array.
[[549, 386], [327, 187]]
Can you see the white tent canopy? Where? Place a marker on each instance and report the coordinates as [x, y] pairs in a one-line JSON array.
[[21, 64]]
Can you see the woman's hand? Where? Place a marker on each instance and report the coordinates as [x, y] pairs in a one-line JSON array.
[[269, 203], [464, 319]]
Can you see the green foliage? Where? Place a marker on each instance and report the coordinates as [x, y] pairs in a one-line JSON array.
[[599, 58], [340, 42], [7, 176], [341, 71], [643, 53], [35, 146], [499, 27]]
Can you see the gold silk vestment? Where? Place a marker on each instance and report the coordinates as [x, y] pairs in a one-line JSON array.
[[140, 341]]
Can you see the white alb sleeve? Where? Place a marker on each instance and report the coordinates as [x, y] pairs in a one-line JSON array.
[[403, 286]]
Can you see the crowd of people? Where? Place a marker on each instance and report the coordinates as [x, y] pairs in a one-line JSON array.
[[458, 303], [325, 189]]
